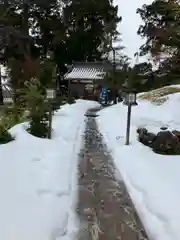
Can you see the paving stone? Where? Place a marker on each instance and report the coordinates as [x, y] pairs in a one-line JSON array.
[[104, 208]]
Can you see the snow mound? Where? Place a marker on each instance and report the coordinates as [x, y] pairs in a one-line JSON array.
[[38, 178], [160, 95], [151, 179]]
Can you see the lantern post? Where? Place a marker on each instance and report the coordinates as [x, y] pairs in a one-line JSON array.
[[130, 100]]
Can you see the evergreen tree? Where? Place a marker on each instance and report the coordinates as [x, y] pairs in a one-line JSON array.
[[160, 28], [90, 25], [79, 30]]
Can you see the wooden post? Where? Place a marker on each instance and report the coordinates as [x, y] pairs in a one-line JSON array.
[[128, 124], [114, 73], [50, 120], [1, 90], [68, 89], [93, 91]]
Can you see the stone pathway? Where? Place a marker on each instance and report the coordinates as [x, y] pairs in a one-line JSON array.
[[104, 208]]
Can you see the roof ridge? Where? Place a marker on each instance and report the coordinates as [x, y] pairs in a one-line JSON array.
[[94, 64]]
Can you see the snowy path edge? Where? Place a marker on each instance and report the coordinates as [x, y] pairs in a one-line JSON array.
[[71, 226], [123, 177]]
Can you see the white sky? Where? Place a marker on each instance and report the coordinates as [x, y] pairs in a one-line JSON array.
[[129, 25]]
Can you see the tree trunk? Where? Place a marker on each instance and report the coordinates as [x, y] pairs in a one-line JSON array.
[[25, 18], [26, 24], [58, 77]]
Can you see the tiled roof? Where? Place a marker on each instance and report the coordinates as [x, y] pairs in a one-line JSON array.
[[86, 72]]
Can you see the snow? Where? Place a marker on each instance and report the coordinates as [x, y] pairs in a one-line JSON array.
[[151, 179], [38, 178]]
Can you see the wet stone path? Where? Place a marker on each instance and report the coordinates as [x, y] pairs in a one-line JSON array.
[[104, 208]]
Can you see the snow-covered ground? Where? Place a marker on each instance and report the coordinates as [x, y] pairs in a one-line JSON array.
[[152, 180], [38, 178]]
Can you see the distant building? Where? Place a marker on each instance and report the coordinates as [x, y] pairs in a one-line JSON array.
[[83, 77]]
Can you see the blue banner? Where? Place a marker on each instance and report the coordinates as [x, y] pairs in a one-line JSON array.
[[104, 94]]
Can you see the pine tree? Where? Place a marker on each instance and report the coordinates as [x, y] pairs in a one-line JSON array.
[[160, 28], [89, 24]]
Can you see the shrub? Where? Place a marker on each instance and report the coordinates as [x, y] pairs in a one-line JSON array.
[[5, 136], [71, 100], [38, 126], [37, 107], [57, 102], [9, 117]]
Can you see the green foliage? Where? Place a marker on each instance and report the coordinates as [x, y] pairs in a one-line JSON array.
[[56, 103], [6, 122], [119, 72], [92, 22], [61, 33], [5, 136], [38, 125], [37, 107], [160, 28], [115, 80], [141, 77], [71, 100], [10, 116], [60, 100], [90, 26], [46, 72], [160, 25]]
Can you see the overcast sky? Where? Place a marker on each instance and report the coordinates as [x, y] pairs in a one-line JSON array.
[[129, 25]]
